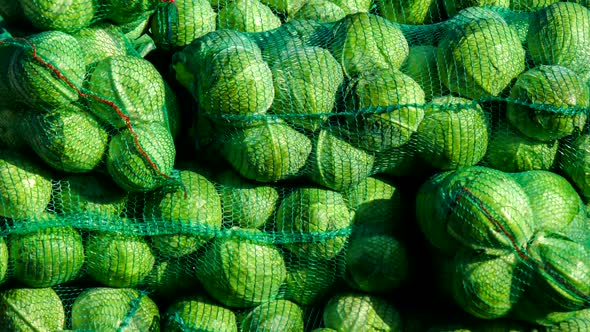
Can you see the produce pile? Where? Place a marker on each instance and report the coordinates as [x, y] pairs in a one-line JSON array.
[[295, 165]]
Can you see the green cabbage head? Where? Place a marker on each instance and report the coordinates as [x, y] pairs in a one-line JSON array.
[[361, 312], [548, 103], [560, 35], [500, 58]]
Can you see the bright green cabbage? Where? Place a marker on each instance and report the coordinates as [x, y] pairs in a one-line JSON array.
[[485, 208], [453, 133], [137, 27], [246, 204], [128, 11], [47, 257], [109, 309], [285, 7], [241, 271], [235, 81], [277, 315], [376, 263], [560, 35], [25, 186], [574, 324], [549, 103], [405, 12], [500, 58], [68, 139], [312, 210], [583, 314], [368, 43], [100, 41], [563, 267], [472, 14], [247, 16], [319, 10], [127, 99], [485, 285], [267, 152], [200, 314], [579, 322], [531, 5], [351, 7], [554, 201], [295, 32], [219, 40], [452, 7], [35, 82], [178, 24], [577, 228], [62, 15], [336, 164], [362, 313], [31, 309], [194, 204], [510, 151], [192, 62], [145, 165], [118, 260], [306, 81], [582, 2], [387, 107], [430, 33]]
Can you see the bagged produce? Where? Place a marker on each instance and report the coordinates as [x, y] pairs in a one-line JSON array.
[[325, 165]]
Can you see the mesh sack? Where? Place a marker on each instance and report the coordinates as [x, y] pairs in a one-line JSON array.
[[289, 166]]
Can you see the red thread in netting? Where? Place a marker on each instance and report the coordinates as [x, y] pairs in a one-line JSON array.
[[97, 98], [519, 251]]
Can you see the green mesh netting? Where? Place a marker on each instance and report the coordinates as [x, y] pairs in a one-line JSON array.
[[278, 165]]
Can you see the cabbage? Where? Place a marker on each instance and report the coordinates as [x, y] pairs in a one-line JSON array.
[[560, 35], [548, 103], [500, 58]]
